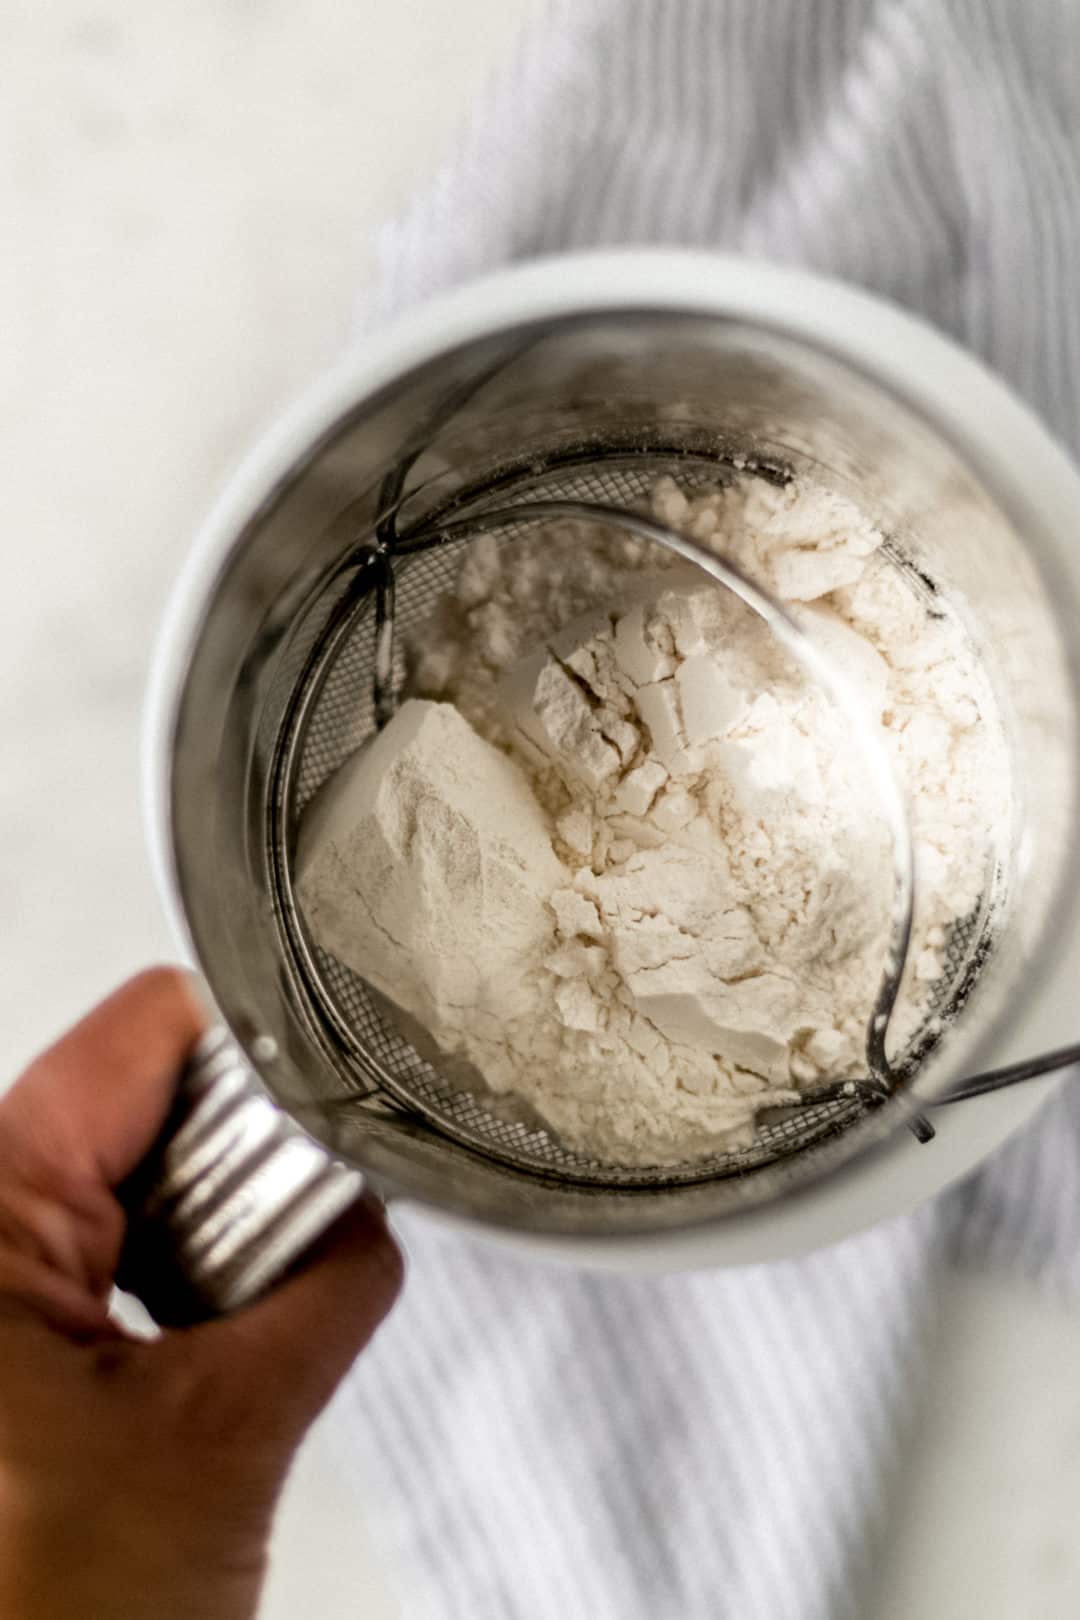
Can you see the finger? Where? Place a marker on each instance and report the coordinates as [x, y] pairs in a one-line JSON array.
[[292, 1348], [33, 1290], [92, 1104], [64, 1222]]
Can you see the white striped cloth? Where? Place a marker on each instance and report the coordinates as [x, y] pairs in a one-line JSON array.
[[568, 1446]]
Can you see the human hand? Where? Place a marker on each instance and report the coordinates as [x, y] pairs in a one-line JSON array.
[[138, 1479]]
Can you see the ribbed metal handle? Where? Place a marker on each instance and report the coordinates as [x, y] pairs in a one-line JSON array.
[[229, 1196]]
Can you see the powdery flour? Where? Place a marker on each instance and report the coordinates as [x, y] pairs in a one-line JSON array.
[[617, 856]]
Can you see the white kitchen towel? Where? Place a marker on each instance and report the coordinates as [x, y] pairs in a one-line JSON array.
[[550, 1445]]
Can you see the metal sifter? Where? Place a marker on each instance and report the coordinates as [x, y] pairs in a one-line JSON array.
[[563, 390]]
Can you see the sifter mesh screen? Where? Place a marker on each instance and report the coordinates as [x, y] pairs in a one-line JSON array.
[[334, 714]]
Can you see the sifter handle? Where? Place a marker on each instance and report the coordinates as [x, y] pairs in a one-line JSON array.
[[230, 1194]]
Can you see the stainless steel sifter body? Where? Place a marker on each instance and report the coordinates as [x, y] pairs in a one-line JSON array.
[[581, 378]]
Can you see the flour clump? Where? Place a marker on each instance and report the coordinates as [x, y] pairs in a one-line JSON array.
[[617, 855]]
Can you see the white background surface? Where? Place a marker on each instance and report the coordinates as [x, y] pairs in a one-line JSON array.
[[187, 196]]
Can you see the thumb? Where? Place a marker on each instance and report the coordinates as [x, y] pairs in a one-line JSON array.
[[292, 1348]]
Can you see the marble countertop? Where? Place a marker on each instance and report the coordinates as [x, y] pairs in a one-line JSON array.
[[190, 195]]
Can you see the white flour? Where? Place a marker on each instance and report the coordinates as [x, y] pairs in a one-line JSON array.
[[635, 877]]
